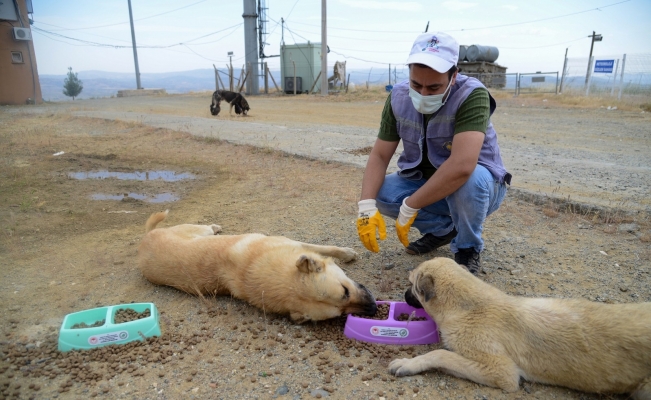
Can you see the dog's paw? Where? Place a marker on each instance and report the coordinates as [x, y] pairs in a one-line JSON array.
[[348, 254], [216, 228], [299, 317], [401, 367]]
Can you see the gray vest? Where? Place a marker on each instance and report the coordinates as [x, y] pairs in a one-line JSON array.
[[440, 131]]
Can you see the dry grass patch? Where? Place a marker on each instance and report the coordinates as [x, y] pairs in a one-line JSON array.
[[575, 100]]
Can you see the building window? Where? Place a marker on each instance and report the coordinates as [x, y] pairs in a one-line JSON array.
[[17, 57], [8, 11]]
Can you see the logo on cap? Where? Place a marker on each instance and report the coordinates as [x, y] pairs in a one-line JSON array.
[[432, 45]]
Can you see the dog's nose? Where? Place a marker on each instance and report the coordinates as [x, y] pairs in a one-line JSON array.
[[370, 309], [412, 300]]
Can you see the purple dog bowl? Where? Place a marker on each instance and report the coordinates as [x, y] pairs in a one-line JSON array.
[[392, 331]]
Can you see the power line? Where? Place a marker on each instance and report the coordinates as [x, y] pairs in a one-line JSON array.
[[356, 30], [290, 11], [360, 59], [463, 29], [91, 43], [538, 47], [122, 23], [353, 38]]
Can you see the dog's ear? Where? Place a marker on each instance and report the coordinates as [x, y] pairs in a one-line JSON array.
[[307, 264], [424, 286]]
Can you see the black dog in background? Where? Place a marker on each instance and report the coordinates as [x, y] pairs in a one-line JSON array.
[[236, 100]]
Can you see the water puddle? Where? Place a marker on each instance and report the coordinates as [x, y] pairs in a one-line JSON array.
[[167, 176], [157, 198]]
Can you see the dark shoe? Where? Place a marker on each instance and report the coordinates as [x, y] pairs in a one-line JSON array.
[[429, 243], [470, 259]]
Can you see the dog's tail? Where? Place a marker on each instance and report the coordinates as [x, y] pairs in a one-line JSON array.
[[154, 219]]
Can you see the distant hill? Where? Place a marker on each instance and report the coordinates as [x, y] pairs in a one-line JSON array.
[[107, 84]]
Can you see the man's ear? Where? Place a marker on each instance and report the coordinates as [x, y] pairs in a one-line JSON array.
[[425, 287], [307, 264], [454, 78]]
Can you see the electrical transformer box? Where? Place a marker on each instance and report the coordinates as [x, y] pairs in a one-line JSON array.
[[302, 60]]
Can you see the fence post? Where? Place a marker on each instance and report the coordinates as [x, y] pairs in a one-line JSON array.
[[612, 88], [266, 78], [242, 73], [216, 77], [588, 80], [347, 82], [230, 78], [621, 80], [556, 82], [517, 84], [246, 75], [274, 81], [221, 83], [315, 82], [563, 74], [293, 63]]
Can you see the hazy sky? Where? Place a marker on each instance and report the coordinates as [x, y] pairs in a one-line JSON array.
[[191, 34]]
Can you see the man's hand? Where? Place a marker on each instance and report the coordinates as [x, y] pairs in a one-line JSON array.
[[403, 222], [369, 221]]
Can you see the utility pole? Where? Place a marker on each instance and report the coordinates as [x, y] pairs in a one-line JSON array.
[[282, 31], [595, 38], [250, 16], [324, 50], [135, 50]]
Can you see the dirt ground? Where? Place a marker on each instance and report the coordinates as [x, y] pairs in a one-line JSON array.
[[71, 223]]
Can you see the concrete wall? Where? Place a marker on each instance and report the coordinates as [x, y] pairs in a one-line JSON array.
[[18, 81]]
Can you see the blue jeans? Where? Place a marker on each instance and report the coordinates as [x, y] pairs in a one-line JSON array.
[[466, 209]]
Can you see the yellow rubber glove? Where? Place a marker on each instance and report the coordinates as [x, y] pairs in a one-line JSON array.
[[403, 222], [370, 222]]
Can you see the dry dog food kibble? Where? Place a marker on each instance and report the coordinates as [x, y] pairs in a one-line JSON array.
[[127, 315], [405, 317], [382, 312], [83, 325]]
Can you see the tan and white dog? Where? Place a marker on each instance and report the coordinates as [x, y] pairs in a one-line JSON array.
[[495, 339], [273, 273]]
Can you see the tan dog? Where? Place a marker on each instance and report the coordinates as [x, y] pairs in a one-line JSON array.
[[273, 273], [495, 339]]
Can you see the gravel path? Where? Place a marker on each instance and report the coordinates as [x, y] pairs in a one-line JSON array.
[[593, 159]]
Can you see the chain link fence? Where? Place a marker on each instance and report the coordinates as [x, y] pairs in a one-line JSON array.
[[625, 75], [608, 75]]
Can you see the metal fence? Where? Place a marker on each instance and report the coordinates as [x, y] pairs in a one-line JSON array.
[[608, 75], [630, 76]]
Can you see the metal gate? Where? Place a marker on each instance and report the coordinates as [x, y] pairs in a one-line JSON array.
[[537, 82]]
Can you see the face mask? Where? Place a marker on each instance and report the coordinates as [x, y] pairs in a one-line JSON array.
[[427, 104]]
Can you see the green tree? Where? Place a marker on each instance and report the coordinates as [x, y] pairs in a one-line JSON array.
[[72, 86]]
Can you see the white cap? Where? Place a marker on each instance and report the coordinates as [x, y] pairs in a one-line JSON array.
[[438, 51]]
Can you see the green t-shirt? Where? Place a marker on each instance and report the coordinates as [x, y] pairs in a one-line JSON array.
[[473, 115]]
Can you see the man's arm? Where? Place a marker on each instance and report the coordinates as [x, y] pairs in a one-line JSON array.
[[376, 167], [453, 173]]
